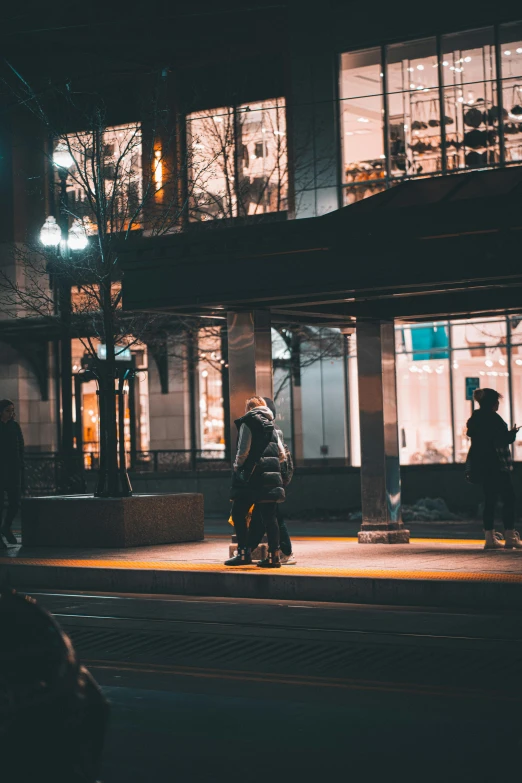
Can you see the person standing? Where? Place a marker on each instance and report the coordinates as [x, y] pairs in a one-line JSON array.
[[257, 480], [489, 464], [256, 529], [12, 469]]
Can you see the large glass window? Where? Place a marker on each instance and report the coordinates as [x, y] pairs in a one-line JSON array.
[[511, 59], [423, 394], [362, 123], [396, 101], [211, 403], [480, 351], [433, 362], [117, 166], [413, 107], [237, 161]]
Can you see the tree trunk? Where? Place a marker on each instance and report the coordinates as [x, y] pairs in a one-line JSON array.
[[108, 484]]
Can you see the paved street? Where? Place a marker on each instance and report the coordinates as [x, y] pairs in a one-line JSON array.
[[207, 689]]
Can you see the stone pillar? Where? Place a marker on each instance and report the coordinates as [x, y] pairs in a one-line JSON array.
[[380, 471], [249, 361]]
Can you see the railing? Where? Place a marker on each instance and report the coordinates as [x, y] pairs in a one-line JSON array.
[[42, 473], [166, 460], [44, 469]]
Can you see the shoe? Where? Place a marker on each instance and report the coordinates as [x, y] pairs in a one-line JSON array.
[[287, 559], [493, 540], [8, 535], [512, 538], [243, 557], [271, 561]]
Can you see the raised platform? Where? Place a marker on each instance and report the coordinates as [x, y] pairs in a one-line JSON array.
[[87, 521], [423, 573]]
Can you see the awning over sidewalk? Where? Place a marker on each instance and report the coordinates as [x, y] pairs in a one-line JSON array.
[[424, 249]]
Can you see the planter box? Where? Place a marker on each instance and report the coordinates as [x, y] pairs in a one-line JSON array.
[[86, 521]]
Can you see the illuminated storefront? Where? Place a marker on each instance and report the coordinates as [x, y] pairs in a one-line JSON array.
[[433, 362], [430, 107]]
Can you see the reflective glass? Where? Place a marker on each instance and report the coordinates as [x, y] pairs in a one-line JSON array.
[[510, 36], [489, 364], [211, 180], [211, 403], [424, 408], [468, 57], [361, 73], [477, 335], [262, 157], [363, 140]]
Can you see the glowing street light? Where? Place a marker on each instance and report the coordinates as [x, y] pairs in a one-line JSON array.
[[50, 234], [77, 239], [62, 157]]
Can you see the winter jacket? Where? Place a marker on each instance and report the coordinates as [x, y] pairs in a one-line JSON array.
[[490, 439], [260, 453], [11, 454]]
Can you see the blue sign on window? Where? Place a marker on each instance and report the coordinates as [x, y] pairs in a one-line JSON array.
[[471, 385], [429, 342]]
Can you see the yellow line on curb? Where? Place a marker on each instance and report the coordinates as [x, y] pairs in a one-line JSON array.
[[187, 567]]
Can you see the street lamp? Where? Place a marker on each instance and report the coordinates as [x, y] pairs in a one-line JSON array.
[[57, 234]]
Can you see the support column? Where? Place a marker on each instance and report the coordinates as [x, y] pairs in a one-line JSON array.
[[380, 471], [249, 361]]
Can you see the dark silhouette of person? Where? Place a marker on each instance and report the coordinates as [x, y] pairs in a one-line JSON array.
[[53, 716], [12, 469], [256, 529], [489, 464]]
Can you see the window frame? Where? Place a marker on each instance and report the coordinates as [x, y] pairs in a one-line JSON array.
[[235, 110]]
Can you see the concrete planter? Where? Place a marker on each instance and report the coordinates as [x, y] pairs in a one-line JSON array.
[[86, 521]]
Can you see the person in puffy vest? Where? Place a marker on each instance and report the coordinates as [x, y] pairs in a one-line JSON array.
[[257, 480], [489, 464], [256, 529]]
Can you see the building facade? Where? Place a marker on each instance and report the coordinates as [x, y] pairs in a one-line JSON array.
[[326, 114]]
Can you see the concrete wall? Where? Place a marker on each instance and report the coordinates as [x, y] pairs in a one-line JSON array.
[[330, 489], [37, 417]]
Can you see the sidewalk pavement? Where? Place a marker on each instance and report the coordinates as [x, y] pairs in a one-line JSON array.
[[443, 572]]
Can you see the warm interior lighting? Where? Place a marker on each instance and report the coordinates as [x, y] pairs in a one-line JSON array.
[[158, 172]]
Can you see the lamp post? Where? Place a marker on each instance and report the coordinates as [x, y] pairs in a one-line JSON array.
[[65, 240]]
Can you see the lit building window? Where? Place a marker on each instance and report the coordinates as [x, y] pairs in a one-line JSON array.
[[405, 112], [158, 174], [210, 379], [423, 394], [116, 166], [237, 161]]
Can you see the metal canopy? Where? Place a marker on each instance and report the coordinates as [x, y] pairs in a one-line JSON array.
[[424, 249]]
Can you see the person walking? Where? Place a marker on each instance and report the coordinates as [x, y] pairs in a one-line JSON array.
[[256, 529], [257, 480], [12, 469], [489, 464]]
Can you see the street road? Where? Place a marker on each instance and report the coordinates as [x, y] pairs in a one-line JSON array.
[[207, 689]]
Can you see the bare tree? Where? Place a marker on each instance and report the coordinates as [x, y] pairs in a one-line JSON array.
[[112, 183]]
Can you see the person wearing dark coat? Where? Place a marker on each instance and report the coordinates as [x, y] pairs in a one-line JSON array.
[[256, 529], [257, 480], [12, 469], [489, 464]]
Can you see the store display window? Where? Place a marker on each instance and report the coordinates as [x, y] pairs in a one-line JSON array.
[[210, 379], [429, 107], [362, 123], [423, 394], [238, 162], [413, 107]]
